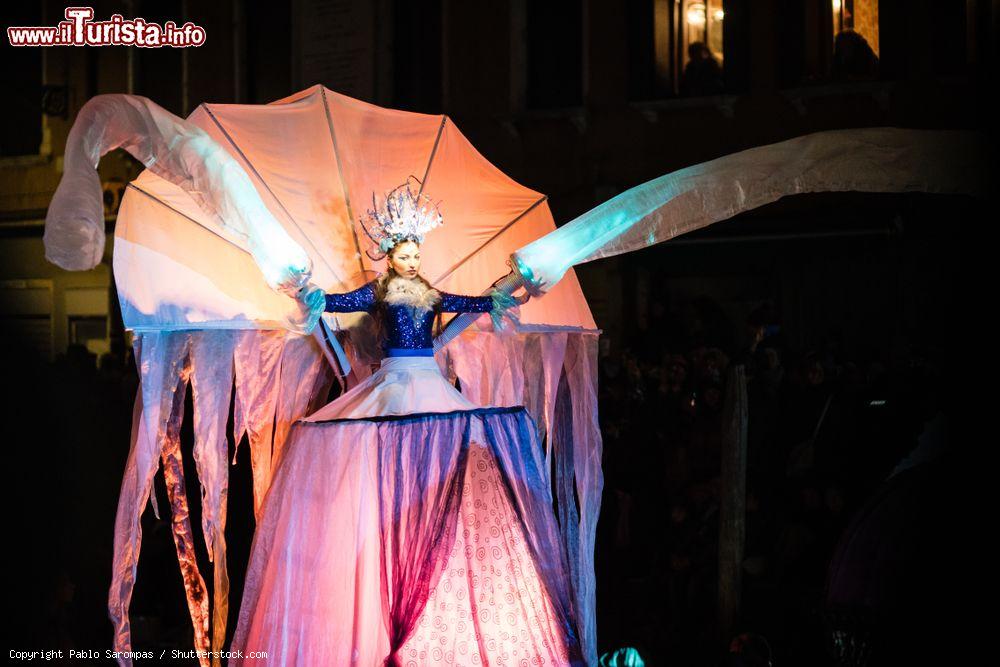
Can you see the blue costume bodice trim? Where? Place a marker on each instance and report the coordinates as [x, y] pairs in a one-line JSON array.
[[409, 352], [408, 331]]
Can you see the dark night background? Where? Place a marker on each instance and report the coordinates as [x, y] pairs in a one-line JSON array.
[[869, 308]]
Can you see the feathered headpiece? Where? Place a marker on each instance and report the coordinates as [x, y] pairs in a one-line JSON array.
[[406, 215]]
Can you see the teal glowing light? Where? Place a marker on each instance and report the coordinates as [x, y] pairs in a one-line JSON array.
[[623, 657], [548, 258]]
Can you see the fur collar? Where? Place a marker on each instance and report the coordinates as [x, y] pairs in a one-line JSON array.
[[413, 293]]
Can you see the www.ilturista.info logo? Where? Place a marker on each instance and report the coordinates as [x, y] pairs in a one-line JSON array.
[[80, 30]]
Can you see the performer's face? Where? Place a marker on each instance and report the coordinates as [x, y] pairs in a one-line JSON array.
[[405, 259]]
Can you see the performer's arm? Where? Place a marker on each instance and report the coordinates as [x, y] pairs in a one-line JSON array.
[[361, 299], [459, 303], [495, 303]]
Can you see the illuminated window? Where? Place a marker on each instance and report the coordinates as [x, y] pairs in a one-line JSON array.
[[701, 48], [702, 22], [662, 35], [855, 40], [861, 16]]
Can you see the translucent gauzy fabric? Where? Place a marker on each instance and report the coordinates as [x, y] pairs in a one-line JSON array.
[[401, 385], [410, 540], [179, 152], [870, 159], [280, 374], [279, 378], [554, 375], [163, 365]]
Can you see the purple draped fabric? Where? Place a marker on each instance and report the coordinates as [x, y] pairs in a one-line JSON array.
[[366, 520]]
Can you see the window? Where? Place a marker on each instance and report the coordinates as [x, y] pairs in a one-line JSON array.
[[555, 54], [675, 47], [158, 71], [416, 61], [87, 318], [26, 314], [861, 16], [855, 40], [702, 22], [21, 123], [89, 331], [700, 39]]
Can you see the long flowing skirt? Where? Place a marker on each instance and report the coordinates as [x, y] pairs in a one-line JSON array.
[[408, 537]]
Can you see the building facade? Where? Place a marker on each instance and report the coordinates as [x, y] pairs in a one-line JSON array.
[[579, 100]]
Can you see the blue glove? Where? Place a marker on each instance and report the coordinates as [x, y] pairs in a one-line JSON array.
[[502, 302], [314, 300]]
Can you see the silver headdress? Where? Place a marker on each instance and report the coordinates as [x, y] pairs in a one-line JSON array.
[[406, 214]]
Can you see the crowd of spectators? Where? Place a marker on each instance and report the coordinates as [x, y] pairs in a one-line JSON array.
[[825, 429]]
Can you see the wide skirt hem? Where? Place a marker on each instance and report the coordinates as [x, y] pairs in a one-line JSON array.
[[435, 529]]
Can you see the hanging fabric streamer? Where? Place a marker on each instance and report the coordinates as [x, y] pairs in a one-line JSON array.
[[181, 153], [874, 159]]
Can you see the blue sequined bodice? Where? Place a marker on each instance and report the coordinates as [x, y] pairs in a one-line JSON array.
[[408, 331]]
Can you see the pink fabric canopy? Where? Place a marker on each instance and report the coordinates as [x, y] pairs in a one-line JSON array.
[[315, 159]]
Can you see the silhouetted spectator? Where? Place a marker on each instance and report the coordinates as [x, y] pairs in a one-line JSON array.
[[702, 75], [749, 650], [853, 58]]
